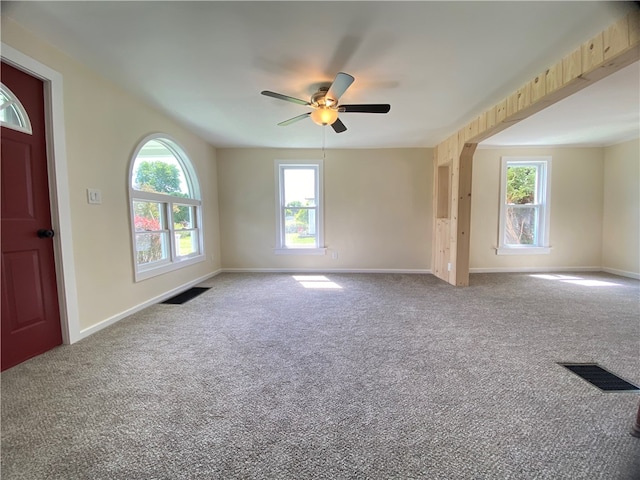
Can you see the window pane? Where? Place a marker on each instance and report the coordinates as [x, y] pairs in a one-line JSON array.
[[300, 187], [151, 247], [520, 225], [12, 113], [156, 169], [300, 227], [183, 216], [521, 185], [148, 216], [186, 243]]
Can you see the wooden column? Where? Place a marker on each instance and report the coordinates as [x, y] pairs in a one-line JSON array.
[[611, 50], [444, 163], [463, 227]]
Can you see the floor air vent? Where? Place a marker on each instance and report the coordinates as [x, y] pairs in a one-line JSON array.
[[185, 296], [601, 378]]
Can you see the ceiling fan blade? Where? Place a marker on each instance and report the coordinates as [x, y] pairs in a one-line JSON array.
[[370, 108], [294, 119], [338, 126], [284, 97], [338, 87]]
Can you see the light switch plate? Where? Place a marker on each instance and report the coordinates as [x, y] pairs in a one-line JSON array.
[[94, 196]]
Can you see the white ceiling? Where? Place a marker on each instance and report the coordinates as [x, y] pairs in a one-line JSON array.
[[439, 65]]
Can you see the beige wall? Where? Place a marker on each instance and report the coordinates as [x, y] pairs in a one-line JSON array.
[[576, 210], [378, 203], [377, 209], [621, 226], [103, 126]]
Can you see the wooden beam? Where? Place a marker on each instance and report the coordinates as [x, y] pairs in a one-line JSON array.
[[607, 52]]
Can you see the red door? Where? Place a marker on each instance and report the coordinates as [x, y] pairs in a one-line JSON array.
[[30, 312]]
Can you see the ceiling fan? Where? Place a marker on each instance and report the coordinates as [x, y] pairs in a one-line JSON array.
[[325, 104]]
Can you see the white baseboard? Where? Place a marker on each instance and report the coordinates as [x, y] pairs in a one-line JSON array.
[[621, 273], [325, 270], [160, 298], [534, 269]]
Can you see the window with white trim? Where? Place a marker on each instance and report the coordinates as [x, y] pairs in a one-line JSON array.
[[166, 209], [299, 203], [524, 205], [12, 114]]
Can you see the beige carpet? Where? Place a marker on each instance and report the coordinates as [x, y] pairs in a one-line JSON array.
[[361, 376]]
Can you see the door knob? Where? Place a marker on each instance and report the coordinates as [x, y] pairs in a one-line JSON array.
[[44, 233]]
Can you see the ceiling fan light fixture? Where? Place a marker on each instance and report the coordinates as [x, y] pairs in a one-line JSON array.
[[325, 106], [324, 115]]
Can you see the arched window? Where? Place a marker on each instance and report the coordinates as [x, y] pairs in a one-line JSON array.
[[12, 113], [166, 210]]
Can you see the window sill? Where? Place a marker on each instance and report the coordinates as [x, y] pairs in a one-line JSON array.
[[523, 250], [300, 251]]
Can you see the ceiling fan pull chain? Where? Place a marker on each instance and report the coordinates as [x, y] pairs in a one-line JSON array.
[[324, 136]]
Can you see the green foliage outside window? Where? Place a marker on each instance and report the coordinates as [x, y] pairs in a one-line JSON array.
[[161, 177], [158, 177], [521, 184], [297, 218], [521, 190]]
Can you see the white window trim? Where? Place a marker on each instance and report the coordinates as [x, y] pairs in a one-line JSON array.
[[543, 247], [281, 248], [173, 262]]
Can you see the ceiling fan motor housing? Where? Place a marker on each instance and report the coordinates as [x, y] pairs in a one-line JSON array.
[[318, 98]]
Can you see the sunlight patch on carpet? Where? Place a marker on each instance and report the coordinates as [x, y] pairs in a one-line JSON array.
[[317, 282], [576, 280]]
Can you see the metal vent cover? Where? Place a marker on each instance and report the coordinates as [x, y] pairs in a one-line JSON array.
[[185, 296], [600, 377]]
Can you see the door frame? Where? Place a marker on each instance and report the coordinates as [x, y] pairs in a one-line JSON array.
[[58, 187]]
